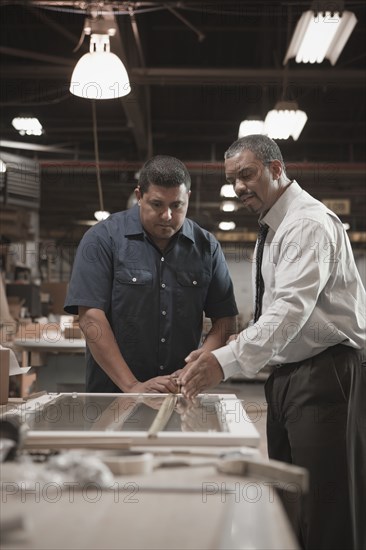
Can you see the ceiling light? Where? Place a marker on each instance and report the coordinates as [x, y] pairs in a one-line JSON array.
[[285, 120], [100, 215], [227, 226], [27, 126], [228, 206], [250, 126], [2, 167], [320, 35], [227, 191], [99, 74]]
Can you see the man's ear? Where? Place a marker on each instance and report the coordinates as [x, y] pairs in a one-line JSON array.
[[276, 169], [138, 193]]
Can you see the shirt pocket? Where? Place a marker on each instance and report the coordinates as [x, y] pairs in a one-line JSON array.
[[132, 294], [191, 293], [134, 277]]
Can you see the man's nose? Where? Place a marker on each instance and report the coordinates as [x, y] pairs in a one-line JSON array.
[[239, 186], [167, 213]]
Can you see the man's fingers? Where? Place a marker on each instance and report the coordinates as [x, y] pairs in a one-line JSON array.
[[192, 386], [193, 355]]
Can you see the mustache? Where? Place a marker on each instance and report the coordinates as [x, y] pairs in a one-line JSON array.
[[245, 195]]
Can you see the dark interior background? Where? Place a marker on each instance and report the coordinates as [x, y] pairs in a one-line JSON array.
[[196, 69]]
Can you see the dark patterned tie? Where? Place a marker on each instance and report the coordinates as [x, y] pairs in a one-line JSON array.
[[259, 283]]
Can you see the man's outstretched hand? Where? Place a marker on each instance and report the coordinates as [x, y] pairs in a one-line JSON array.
[[203, 371]]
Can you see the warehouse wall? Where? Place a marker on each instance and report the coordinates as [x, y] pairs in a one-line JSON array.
[[239, 261]]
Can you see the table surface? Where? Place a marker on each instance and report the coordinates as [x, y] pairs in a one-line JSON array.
[[189, 505], [52, 344], [171, 508]]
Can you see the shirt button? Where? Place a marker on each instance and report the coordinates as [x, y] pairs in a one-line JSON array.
[[134, 279], [162, 340], [163, 312], [161, 367], [163, 285], [194, 282]]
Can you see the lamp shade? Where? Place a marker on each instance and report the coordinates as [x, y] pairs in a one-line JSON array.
[[99, 74], [227, 226], [285, 120], [227, 191], [250, 126], [100, 215], [320, 35], [29, 126], [229, 206]]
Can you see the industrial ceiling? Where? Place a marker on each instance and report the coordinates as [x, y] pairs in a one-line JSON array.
[[197, 69]]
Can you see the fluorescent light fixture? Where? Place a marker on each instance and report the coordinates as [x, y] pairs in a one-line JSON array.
[[250, 126], [27, 126], [227, 226], [285, 120], [101, 215], [228, 206], [100, 74], [227, 191], [320, 35], [2, 167]]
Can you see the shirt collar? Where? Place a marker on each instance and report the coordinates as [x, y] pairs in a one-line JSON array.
[[134, 226], [275, 215]]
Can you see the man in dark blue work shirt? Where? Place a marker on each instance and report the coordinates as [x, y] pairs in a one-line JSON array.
[[142, 280]]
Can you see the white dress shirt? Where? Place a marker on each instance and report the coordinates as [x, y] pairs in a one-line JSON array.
[[313, 298]]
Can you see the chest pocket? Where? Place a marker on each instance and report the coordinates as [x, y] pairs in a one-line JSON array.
[[134, 277]]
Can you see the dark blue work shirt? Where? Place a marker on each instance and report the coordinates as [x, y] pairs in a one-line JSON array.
[[153, 301]]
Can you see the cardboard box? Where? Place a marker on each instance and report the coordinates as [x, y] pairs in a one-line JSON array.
[[57, 296], [29, 331], [73, 332]]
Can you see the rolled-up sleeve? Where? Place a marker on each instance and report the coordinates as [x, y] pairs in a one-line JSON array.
[[220, 300], [91, 278]]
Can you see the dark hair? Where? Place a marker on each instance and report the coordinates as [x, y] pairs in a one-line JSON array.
[[264, 148], [164, 171]]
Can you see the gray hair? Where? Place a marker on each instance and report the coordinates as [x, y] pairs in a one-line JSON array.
[[264, 148]]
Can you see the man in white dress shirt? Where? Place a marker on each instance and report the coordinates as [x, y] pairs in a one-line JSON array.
[[312, 332]]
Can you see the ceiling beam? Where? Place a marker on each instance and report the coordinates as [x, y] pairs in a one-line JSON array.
[[342, 78], [26, 54], [132, 104], [230, 77]]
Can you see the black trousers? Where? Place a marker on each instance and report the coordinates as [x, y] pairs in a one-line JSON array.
[[356, 447], [316, 419]]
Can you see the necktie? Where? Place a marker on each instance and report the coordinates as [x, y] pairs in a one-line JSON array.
[[259, 283]]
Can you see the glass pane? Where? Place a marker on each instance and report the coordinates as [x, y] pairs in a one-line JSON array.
[[106, 412]]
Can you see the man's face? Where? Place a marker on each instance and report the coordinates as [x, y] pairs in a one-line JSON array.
[[255, 183], [163, 210]]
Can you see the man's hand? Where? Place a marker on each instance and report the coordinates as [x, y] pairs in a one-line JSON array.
[[200, 373], [159, 384]]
